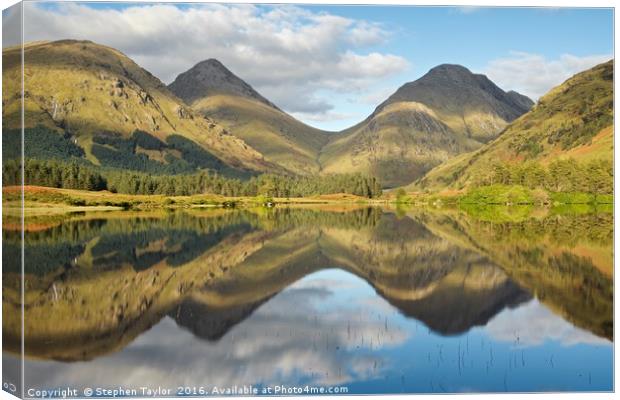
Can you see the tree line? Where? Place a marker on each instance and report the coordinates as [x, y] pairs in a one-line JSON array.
[[563, 175], [77, 174]]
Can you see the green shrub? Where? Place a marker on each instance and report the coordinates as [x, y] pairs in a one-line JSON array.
[[263, 200], [402, 197], [498, 194], [572, 198], [604, 199]]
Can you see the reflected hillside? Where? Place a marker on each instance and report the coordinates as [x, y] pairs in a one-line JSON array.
[[94, 283], [426, 277], [566, 261], [121, 283], [447, 288]]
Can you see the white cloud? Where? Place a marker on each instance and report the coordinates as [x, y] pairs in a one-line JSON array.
[[326, 116], [287, 53], [366, 33], [534, 74]]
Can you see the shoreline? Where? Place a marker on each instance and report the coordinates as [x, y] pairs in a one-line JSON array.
[[41, 201]]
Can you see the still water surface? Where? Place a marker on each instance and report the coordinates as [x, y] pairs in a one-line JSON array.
[[368, 299]]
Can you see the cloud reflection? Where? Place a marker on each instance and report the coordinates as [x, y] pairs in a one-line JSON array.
[[542, 325], [307, 333]]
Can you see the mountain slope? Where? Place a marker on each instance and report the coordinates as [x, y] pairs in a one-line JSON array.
[[446, 112], [117, 112], [574, 120], [214, 91], [470, 104]]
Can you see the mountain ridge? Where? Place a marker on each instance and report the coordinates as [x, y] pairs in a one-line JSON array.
[[444, 86], [215, 92], [446, 112], [300, 148], [573, 121], [86, 91], [101, 98]]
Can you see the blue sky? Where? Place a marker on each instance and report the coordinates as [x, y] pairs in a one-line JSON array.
[[331, 65], [473, 37]]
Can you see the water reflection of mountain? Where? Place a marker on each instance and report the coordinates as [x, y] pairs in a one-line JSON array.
[[212, 323], [566, 261], [210, 270]]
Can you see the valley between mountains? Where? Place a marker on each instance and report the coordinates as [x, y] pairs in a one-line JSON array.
[[95, 120]]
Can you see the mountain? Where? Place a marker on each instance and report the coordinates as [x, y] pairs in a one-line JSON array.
[[470, 104], [215, 92], [210, 78], [572, 121], [89, 101], [448, 111], [92, 101]]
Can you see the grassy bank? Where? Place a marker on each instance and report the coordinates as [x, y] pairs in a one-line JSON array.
[[39, 200], [507, 195]]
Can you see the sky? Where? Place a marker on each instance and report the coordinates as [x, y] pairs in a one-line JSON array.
[[330, 66]]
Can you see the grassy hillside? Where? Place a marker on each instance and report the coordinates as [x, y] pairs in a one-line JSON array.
[[447, 112], [214, 91], [278, 136], [398, 144], [470, 104], [86, 92], [571, 123]]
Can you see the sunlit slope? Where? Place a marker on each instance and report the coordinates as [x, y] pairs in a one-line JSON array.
[[447, 112], [214, 91], [470, 104], [574, 120], [278, 136], [398, 144], [84, 90]]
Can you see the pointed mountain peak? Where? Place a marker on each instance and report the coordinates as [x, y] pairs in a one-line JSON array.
[[209, 78]]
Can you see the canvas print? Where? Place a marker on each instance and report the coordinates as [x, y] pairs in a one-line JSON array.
[[213, 199]]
